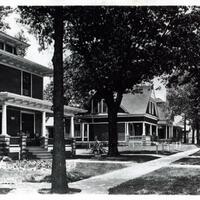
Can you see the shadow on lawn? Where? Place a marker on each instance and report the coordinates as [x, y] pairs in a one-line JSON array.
[[48, 191], [5, 190]]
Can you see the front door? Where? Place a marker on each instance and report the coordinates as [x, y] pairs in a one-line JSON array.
[[28, 127]]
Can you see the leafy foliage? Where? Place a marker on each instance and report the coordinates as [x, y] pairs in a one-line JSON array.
[[4, 11], [20, 36]]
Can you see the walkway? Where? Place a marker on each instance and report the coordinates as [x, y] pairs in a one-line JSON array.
[[100, 184]]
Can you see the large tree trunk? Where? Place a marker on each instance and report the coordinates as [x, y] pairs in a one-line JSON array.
[[185, 135], [197, 127], [193, 135], [59, 180], [113, 107], [112, 132]]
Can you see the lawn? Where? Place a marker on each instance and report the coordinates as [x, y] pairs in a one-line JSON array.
[[169, 180], [188, 161], [125, 156], [17, 172]]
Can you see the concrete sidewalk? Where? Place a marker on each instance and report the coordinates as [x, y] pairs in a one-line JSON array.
[[100, 184]]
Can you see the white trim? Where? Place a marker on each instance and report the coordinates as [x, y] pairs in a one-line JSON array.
[[8, 65], [32, 85]]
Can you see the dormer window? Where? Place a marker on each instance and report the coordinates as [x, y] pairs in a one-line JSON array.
[[151, 109], [99, 107]]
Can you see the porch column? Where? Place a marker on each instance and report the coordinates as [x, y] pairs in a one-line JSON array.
[[150, 129], [82, 131], [143, 129], [126, 132], [157, 130], [72, 126], [4, 137], [4, 120], [172, 131], [166, 132], [44, 131]]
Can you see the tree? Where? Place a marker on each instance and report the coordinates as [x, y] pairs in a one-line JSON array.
[[21, 50], [72, 96], [4, 12], [47, 23], [183, 97], [119, 47], [179, 102]]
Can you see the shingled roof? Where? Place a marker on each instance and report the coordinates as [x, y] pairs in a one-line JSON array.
[[136, 103]]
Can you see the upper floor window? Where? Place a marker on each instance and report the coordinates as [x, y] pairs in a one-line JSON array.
[[26, 84], [9, 48], [1, 45], [99, 106], [151, 109]]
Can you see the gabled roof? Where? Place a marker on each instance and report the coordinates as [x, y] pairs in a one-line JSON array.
[[163, 110], [136, 103]]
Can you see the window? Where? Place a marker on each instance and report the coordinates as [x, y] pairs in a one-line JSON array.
[[1, 45], [9, 48], [85, 130], [26, 84], [77, 130], [104, 106]]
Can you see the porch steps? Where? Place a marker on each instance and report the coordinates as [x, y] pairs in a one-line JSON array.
[[39, 153]]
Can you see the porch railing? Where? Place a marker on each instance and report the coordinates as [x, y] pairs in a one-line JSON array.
[[15, 140]]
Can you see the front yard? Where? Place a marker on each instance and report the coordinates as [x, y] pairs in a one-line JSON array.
[[168, 181], [15, 173]]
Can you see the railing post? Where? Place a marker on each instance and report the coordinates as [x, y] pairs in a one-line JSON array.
[[73, 145], [23, 144], [143, 140], [4, 145], [44, 143]]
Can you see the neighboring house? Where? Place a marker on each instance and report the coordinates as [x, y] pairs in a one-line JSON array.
[[139, 119], [22, 108], [165, 123]]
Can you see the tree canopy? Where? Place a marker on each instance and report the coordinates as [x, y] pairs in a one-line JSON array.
[[119, 47]]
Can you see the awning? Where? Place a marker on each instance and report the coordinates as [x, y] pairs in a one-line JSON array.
[[24, 64], [25, 102]]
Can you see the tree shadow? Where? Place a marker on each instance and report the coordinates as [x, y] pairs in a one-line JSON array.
[[5, 190], [48, 191]]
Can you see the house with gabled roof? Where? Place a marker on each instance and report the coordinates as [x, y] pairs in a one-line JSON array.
[[22, 108], [137, 121], [165, 123]]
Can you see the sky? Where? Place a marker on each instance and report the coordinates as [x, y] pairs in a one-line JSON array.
[[44, 57]]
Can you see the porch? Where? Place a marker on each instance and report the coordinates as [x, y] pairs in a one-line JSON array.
[[22, 115]]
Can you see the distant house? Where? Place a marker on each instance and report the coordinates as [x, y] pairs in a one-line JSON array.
[[140, 119], [165, 122], [22, 108]]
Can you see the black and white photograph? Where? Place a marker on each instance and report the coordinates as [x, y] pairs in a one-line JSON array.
[[99, 99]]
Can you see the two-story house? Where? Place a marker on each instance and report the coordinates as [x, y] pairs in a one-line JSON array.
[[22, 108], [138, 118]]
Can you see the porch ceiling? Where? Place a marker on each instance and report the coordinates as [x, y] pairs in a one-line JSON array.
[[21, 63], [25, 102]]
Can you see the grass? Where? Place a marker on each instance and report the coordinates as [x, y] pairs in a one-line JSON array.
[[128, 157], [173, 181], [148, 152], [5, 190], [196, 154], [188, 161], [37, 171]]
